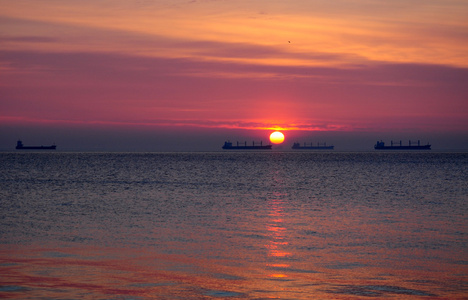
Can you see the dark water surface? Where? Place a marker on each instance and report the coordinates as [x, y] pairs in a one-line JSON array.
[[223, 225]]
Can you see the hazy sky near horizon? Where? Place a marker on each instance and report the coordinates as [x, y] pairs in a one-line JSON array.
[[299, 65]]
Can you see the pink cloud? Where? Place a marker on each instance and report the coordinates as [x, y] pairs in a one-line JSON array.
[[96, 87]]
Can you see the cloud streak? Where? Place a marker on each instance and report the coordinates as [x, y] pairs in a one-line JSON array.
[[111, 87]]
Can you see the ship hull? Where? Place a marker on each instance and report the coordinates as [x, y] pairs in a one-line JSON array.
[[248, 147], [228, 146], [425, 147], [36, 148], [381, 146], [310, 146], [314, 148]]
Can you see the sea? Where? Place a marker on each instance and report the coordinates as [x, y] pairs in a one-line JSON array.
[[234, 225]]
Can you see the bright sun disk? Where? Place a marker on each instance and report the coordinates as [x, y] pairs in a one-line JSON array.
[[277, 137]]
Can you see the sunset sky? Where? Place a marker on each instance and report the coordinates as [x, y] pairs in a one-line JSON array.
[[162, 74]]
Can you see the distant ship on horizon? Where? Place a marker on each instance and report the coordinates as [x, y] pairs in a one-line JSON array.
[[381, 146], [228, 146], [298, 146], [20, 146]]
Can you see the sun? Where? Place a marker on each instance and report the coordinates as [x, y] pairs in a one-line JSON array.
[[277, 137]]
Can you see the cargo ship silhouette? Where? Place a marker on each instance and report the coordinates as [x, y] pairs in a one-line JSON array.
[[228, 146], [381, 146], [298, 146], [20, 146]]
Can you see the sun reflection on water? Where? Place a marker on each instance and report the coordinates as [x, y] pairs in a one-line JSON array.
[[277, 238]]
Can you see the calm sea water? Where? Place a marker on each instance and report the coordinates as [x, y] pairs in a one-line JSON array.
[[229, 225]]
